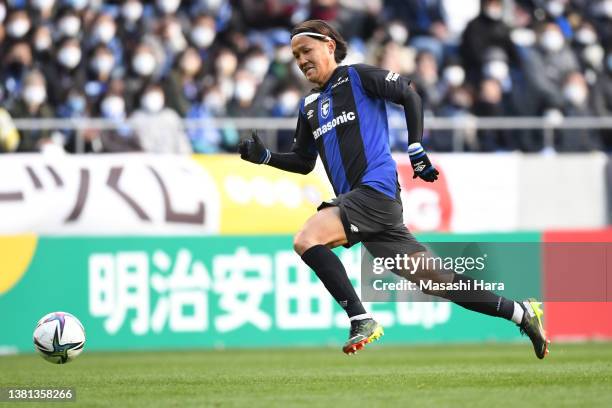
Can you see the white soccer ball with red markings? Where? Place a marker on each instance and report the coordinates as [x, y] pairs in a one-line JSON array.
[[59, 337]]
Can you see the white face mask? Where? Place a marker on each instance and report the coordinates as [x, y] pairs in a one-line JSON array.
[[523, 37], [245, 90], [594, 55], [131, 10], [34, 94], [494, 12], [258, 66], [496, 70], [69, 26], [78, 4], [586, 36], [398, 33], [454, 75], [283, 55], [289, 101], [203, 36], [18, 28], [552, 40], [144, 63], [69, 56], [215, 103], [153, 101], [605, 8], [575, 94], [555, 8], [43, 4], [113, 106], [176, 41], [42, 43], [105, 32], [168, 6], [103, 64]]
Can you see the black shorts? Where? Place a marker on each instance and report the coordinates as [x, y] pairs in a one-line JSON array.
[[371, 217]]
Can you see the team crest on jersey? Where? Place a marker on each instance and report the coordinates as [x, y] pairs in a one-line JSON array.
[[325, 108]]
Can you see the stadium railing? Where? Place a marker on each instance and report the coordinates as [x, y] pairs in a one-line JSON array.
[[459, 126]]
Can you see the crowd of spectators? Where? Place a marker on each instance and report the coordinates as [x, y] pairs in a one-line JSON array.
[[171, 59]]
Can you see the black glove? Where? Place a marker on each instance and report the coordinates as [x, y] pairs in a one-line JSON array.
[[254, 150], [421, 164]]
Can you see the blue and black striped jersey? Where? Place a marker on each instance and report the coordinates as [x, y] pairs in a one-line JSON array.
[[345, 122]]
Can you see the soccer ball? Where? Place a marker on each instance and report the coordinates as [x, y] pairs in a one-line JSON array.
[[59, 337]]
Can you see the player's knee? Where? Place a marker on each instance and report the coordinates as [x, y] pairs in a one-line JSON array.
[[302, 241]]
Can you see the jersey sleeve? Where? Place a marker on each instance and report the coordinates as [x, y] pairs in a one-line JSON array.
[[303, 141], [391, 86], [382, 83]]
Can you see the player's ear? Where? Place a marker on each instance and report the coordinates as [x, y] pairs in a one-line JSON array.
[[331, 46]]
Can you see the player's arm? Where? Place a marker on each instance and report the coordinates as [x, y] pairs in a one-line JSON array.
[[388, 85], [301, 159]]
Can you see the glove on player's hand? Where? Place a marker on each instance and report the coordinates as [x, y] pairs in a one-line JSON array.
[[254, 150], [421, 164]]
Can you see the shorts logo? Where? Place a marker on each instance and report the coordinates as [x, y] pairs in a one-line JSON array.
[[354, 228], [325, 107]]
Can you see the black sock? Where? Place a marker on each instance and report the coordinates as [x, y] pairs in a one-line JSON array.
[[482, 301], [331, 272]]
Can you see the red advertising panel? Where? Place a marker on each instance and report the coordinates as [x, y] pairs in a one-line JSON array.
[[577, 282]]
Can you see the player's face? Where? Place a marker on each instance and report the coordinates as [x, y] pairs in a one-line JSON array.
[[315, 58]]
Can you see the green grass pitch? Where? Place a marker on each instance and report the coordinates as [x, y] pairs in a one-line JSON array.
[[492, 375]]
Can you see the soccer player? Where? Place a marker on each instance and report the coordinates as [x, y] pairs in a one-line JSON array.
[[344, 121]]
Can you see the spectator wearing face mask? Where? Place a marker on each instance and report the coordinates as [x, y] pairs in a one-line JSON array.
[[167, 7], [100, 66], [68, 23], [158, 129], [17, 62], [75, 106], [143, 70], [103, 32], [286, 104], [17, 26], [557, 11], [42, 11], [173, 41], [130, 24], [182, 84], [112, 107], [203, 34], [546, 65], [206, 138], [243, 102], [486, 31], [42, 45], [577, 103], [589, 51], [67, 71], [32, 104]]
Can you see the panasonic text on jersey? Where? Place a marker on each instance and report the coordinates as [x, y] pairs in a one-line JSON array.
[[323, 129]]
